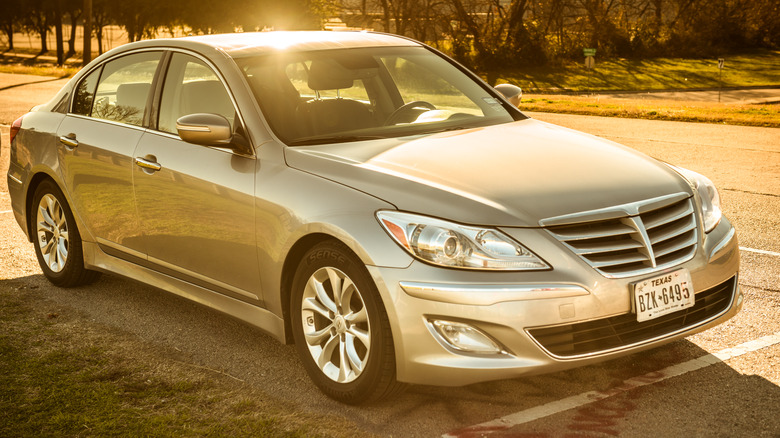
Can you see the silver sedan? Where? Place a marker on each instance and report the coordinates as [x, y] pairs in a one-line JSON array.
[[372, 201]]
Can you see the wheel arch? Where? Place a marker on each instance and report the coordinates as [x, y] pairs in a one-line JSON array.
[[291, 262], [35, 181]]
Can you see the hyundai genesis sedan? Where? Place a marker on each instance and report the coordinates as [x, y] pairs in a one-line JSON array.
[[370, 200]]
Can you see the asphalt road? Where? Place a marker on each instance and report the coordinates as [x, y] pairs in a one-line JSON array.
[[640, 395]]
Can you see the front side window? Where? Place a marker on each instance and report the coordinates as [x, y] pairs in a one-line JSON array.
[[355, 94], [192, 87], [122, 91]]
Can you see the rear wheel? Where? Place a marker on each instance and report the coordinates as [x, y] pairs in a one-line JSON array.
[[340, 326], [56, 238]]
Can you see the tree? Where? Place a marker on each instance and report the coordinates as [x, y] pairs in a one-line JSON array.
[[38, 19], [57, 18], [9, 20], [73, 9]]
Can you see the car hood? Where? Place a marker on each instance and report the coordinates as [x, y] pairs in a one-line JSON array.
[[513, 174]]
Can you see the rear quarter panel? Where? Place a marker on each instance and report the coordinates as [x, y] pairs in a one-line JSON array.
[[33, 152]]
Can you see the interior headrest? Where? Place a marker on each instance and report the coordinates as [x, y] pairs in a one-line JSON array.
[[327, 74], [133, 95]]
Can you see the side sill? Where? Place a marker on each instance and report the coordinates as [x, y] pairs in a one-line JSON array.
[[249, 313]]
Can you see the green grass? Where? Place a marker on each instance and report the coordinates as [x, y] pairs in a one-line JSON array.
[[756, 68], [25, 67], [706, 112], [753, 68], [64, 376], [24, 61]]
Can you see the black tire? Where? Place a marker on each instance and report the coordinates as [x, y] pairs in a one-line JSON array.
[[343, 328], [56, 238]]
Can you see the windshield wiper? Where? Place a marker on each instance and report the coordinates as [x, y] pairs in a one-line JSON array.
[[451, 128], [333, 139]]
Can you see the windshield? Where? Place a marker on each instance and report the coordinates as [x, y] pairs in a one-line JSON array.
[[358, 94]]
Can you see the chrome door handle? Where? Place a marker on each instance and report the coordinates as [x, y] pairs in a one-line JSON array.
[[69, 140], [146, 164]]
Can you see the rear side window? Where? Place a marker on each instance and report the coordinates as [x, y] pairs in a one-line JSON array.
[[119, 90], [85, 94]]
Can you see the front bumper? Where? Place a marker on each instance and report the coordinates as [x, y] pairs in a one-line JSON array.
[[507, 307]]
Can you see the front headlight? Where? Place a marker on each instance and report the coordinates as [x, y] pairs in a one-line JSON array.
[[710, 199], [457, 246]]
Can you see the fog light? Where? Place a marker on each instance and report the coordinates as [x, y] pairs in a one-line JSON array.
[[464, 337]]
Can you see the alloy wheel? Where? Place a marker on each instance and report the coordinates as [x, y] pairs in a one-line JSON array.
[[336, 325], [52, 229]]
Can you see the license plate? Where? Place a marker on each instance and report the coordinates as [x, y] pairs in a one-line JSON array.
[[662, 295]]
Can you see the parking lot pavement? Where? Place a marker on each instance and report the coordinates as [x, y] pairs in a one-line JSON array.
[[736, 395], [19, 93]]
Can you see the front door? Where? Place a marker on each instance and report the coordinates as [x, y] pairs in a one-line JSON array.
[[196, 204]]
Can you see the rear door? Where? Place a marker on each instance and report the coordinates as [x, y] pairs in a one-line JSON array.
[[97, 140], [196, 204]]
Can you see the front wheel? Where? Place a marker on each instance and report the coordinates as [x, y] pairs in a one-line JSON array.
[[340, 326], [57, 240]]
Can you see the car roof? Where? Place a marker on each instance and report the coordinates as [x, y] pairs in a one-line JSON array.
[[239, 45]]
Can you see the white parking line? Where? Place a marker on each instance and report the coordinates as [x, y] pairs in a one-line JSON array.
[[535, 413], [6, 211], [760, 251]]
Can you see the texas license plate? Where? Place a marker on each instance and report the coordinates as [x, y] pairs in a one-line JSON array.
[[658, 296]]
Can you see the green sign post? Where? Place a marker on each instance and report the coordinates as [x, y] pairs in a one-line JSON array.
[[721, 61], [590, 63]]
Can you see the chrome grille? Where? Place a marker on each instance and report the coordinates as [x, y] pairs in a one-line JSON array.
[[631, 239]]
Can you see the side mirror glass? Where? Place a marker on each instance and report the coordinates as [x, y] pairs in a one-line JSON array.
[[513, 93], [205, 129]]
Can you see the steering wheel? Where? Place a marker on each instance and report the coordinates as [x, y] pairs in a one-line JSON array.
[[400, 116]]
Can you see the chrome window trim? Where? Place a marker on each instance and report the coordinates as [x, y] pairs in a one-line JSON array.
[[98, 65], [216, 148], [162, 51], [110, 122]]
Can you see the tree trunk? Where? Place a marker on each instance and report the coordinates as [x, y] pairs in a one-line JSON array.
[[99, 36], [58, 33], [9, 30], [87, 55], [43, 32], [386, 16], [72, 40], [518, 34]]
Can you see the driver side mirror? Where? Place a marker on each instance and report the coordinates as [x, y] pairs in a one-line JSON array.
[[205, 129], [512, 93], [212, 130]]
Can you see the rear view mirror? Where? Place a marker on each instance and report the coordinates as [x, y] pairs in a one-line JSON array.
[[513, 93], [205, 129]]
